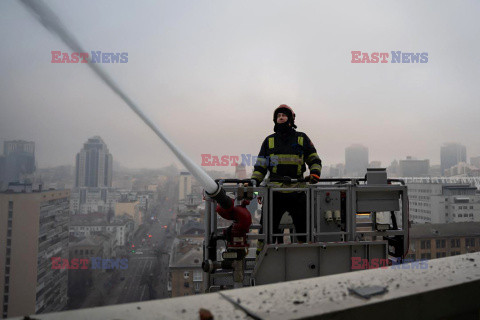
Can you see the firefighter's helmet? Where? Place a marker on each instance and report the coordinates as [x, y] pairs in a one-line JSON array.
[[283, 108]]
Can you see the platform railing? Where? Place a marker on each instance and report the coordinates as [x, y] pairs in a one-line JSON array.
[[355, 191]]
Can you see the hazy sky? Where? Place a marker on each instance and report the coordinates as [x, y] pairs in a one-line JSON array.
[[210, 74]]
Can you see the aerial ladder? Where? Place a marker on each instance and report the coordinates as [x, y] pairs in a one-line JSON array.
[[352, 223]]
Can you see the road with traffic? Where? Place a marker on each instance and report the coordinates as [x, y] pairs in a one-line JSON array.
[[147, 273]]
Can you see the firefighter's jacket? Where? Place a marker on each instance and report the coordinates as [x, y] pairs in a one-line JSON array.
[[285, 155]]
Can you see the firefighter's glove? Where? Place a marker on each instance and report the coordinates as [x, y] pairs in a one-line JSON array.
[[313, 178]]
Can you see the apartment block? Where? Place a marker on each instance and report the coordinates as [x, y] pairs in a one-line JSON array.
[[33, 229], [184, 185], [437, 202]]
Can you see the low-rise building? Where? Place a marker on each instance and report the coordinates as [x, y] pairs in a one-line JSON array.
[[131, 209], [183, 218], [430, 241], [121, 227], [188, 211], [192, 229], [96, 245], [85, 200], [185, 268]]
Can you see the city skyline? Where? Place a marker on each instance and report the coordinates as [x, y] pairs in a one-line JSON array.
[[384, 163], [212, 84], [230, 167], [198, 158]]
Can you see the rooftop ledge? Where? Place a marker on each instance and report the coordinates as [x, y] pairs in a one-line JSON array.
[[447, 288]]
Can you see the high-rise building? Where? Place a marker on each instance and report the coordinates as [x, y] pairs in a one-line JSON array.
[[356, 160], [375, 164], [414, 168], [94, 164], [18, 147], [17, 163], [475, 161], [393, 169], [33, 229], [184, 185], [3, 182], [451, 154]]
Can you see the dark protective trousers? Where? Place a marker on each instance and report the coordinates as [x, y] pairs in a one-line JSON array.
[[295, 204]]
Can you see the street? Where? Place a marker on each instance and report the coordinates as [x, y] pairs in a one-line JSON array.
[[146, 276], [147, 272]]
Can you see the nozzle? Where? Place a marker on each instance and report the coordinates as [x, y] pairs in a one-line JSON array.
[[221, 197]]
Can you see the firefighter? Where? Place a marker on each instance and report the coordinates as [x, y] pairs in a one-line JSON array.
[[284, 154]]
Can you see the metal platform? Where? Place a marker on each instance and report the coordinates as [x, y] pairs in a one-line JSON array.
[[285, 262], [343, 222]]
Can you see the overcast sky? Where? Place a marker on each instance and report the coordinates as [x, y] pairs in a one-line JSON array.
[[210, 74]]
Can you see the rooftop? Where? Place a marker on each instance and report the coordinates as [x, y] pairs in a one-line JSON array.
[[442, 230], [186, 253], [88, 241], [191, 226], [97, 222]]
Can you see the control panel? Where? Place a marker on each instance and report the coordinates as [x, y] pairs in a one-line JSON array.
[[330, 212]]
